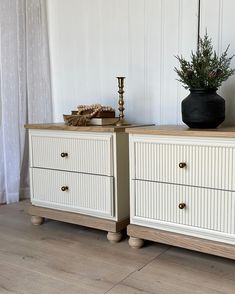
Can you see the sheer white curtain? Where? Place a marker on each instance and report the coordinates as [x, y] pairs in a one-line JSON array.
[[25, 92]]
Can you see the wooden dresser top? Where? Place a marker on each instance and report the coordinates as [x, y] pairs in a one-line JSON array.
[[64, 127], [173, 130]]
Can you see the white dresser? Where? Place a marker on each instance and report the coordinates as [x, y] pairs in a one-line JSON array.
[[183, 188], [80, 175]]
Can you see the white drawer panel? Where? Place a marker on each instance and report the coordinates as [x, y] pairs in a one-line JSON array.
[[205, 208], [208, 164], [86, 152], [89, 194]]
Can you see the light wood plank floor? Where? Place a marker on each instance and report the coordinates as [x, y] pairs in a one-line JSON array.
[[62, 258]]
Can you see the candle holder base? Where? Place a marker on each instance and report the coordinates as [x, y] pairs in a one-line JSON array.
[[121, 122]]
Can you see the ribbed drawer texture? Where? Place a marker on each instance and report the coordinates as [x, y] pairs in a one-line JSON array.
[[85, 153], [193, 164], [191, 206], [84, 193]]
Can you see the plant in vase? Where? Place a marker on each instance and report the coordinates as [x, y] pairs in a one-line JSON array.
[[203, 75]]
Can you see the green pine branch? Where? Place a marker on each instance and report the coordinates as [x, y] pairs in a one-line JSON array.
[[206, 70]]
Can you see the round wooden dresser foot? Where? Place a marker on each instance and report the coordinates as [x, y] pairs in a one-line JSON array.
[[136, 242], [114, 237], [37, 220]]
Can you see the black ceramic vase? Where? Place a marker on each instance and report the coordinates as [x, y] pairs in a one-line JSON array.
[[203, 108]]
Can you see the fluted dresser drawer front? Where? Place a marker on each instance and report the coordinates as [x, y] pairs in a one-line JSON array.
[[188, 161], [83, 193], [191, 206], [72, 151]]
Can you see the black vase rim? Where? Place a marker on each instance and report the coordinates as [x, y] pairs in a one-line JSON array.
[[203, 90]]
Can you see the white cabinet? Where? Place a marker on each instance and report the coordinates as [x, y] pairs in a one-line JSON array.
[[209, 162], [157, 205], [79, 152], [80, 174], [182, 186], [77, 192]]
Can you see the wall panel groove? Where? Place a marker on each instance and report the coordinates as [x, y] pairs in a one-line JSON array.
[[91, 42], [217, 17]]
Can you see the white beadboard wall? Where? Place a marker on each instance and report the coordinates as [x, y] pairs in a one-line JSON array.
[[93, 41], [217, 17]]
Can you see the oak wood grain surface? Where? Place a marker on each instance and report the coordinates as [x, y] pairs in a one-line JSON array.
[[57, 257], [180, 240], [174, 130], [79, 219], [64, 127]]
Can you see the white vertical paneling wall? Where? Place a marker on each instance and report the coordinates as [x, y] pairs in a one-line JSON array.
[[93, 41], [217, 17]]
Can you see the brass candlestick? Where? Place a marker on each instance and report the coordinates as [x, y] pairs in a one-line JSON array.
[[121, 108]]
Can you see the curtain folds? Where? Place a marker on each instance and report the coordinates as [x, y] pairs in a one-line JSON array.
[[25, 92]]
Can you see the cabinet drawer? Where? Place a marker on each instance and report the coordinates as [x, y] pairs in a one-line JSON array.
[[79, 152], [205, 208], [89, 194], [204, 163]]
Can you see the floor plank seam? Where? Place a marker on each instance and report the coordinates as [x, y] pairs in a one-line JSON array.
[[120, 281], [138, 269], [155, 258]]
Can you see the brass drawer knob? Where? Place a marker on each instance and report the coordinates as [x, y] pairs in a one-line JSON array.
[[64, 154], [182, 205], [182, 164], [64, 188]]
